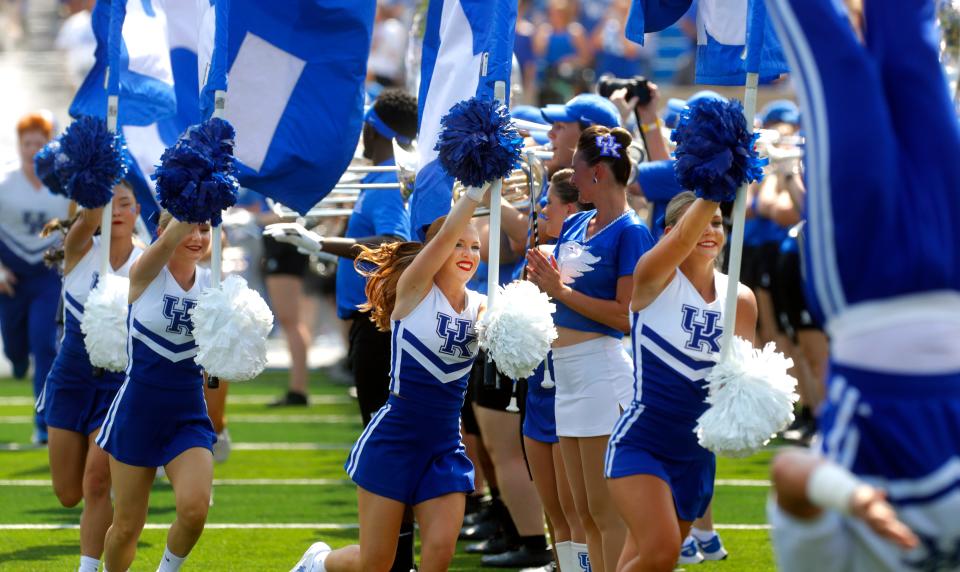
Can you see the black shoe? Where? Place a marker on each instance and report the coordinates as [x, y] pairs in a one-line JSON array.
[[291, 398], [497, 545], [522, 557], [483, 530], [483, 514]]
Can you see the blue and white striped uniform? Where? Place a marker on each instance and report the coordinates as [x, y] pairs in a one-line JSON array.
[[883, 141], [75, 397], [160, 411], [676, 342], [411, 450], [28, 318]]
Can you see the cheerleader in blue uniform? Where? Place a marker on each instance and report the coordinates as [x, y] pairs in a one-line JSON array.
[[28, 288], [661, 479], [882, 261], [75, 397], [590, 280], [411, 453], [159, 417], [539, 422]]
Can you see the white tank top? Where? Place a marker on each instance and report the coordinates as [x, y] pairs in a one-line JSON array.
[[433, 349], [77, 285], [161, 344]]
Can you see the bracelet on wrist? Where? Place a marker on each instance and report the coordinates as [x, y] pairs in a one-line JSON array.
[[652, 126]]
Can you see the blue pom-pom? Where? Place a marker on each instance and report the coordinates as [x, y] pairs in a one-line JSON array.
[[715, 152], [45, 163], [90, 162], [196, 178], [478, 143]]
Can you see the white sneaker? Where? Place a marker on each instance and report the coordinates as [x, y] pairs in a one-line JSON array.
[[690, 552], [712, 549], [161, 473], [312, 560], [221, 449]]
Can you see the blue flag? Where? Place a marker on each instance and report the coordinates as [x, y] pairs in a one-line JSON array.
[[647, 16], [467, 47], [145, 73], [724, 29], [296, 71]]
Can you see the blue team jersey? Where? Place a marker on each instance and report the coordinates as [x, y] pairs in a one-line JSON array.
[[161, 345], [23, 213], [593, 265], [433, 349], [377, 212]]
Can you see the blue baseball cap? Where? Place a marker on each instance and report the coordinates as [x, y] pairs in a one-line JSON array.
[[780, 111], [532, 114], [589, 108], [671, 113]]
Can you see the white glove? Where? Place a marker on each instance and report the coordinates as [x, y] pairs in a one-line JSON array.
[[306, 241]]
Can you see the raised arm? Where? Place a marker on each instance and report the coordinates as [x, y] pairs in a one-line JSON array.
[[417, 279], [655, 268], [79, 238], [156, 256]]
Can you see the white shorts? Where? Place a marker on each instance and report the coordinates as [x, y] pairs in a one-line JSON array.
[[834, 543], [594, 385]]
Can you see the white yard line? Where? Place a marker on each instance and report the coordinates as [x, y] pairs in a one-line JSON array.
[[322, 482], [253, 399], [236, 418], [288, 525]]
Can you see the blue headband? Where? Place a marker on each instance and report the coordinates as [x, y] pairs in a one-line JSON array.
[[382, 128]]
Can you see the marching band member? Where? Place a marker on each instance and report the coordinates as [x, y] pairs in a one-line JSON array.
[[75, 397], [653, 459], [379, 216], [159, 416], [591, 281], [881, 491], [29, 290], [411, 453]]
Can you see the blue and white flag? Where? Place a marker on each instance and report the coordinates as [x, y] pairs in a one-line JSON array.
[[296, 71], [146, 76], [467, 48], [724, 29], [648, 16]]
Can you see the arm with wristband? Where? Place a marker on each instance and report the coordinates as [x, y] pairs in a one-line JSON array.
[[805, 485]]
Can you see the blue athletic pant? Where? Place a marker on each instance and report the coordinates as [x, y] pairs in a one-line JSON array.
[[28, 323], [882, 154]]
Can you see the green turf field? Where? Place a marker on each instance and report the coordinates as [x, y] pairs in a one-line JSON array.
[[282, 488]]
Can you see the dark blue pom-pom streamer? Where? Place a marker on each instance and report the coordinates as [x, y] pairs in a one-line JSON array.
[[478, 143], [196, 178], [45, 163], [715, 152], [90, 161]]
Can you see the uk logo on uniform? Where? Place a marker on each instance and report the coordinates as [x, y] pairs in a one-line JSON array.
[[177, 311], [456, 338], [35, 221], [702, 330]]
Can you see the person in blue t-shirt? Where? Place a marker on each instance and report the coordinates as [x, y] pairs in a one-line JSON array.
[[379, 216], [590, 280]]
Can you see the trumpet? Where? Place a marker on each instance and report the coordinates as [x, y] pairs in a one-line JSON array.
[[517, 186]]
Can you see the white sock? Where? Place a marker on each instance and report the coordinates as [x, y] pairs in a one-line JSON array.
[[702, 535], [564, 555], [88, 564], [170, 562], [581, 558]]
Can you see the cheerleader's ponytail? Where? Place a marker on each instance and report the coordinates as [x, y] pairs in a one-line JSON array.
[[382, 267]]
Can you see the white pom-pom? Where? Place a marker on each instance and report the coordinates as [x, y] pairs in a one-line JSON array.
[[230, 325], [751, 398], [104, 323], [518, 330]]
